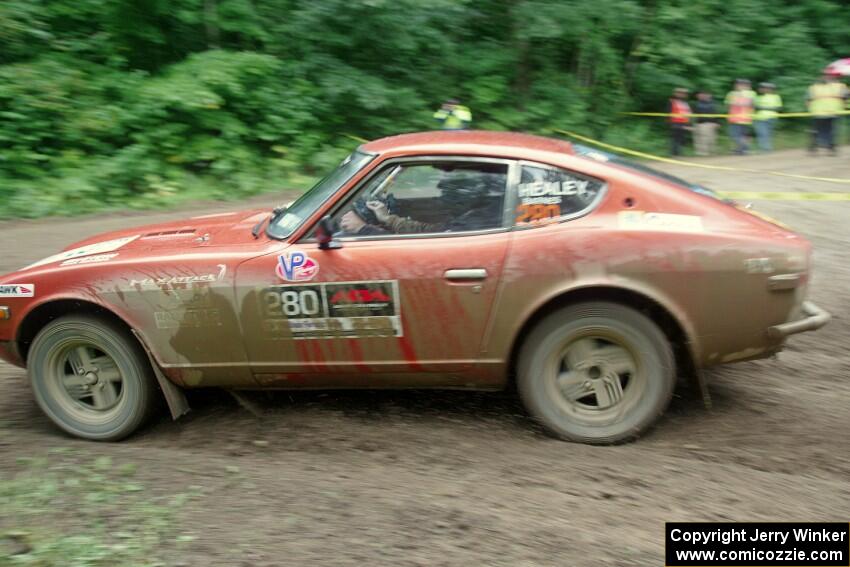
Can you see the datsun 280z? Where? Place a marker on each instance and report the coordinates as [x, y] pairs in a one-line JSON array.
[[464, 259]]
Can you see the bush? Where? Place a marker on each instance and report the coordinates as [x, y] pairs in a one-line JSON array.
[[84, 137]]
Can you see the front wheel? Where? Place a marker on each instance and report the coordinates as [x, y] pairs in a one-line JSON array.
[[91, 378], [596, 373]]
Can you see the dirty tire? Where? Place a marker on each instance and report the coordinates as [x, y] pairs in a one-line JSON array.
[[91, 378], [597, 373]]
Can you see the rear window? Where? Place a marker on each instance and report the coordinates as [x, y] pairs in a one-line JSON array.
[[546, 193]]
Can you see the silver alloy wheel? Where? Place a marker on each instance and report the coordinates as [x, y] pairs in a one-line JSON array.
[[595, 378], [91, 377], [596, 372], [85, 381]]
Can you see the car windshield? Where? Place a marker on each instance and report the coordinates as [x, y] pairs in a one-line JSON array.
[[285, 224], [599, 155]]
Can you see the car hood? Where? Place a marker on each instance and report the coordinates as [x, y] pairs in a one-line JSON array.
[[220, 229]]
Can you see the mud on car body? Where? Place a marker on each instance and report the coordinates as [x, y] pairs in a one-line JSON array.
[[502, 257]]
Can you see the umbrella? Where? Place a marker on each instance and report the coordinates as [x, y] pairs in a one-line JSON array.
[[840, 67]]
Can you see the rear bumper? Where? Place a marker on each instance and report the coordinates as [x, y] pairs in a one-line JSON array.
[[814, 318]]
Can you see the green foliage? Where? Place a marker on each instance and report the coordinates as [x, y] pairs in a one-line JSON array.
[[144, 102], [108, 517]]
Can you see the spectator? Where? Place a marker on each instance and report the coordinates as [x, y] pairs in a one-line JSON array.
[[768, 104], [453, 115], [680, 119], [705, 131], [826, 100], [740, 103]]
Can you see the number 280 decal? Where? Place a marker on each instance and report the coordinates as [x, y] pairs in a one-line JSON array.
[[298, 302], [332, 310], [536, 213]]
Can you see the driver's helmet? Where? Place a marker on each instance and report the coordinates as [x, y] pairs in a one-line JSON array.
[[463, 189]]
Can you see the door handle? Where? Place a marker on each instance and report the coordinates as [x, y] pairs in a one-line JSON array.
[[466, 274]]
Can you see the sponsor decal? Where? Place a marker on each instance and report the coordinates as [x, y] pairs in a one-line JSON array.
[[166, 283], [527, 213], [17, 290], [332, 310], [360, 299], [190, 318], [89, 259], [567, 187], [88, 250], [541, 201], [663, 222], [296, 267], [758, 266]]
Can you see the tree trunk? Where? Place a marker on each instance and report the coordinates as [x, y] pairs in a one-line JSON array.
[[211, 23]]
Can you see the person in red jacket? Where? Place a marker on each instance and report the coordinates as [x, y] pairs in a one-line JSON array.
[[680, 120]]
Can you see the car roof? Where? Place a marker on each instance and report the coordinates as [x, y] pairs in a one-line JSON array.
[[466, 141]]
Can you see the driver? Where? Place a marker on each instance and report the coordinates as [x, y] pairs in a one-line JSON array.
[[466, 200]]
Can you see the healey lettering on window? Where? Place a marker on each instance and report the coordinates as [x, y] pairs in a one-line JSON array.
[[565, 188]]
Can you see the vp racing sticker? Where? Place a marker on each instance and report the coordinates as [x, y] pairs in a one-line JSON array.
[[17, 290], [88, 250], [296, 267], [332, 310]]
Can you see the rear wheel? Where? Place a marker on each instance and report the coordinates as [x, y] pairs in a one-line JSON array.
[[91, 378], [596, 373]]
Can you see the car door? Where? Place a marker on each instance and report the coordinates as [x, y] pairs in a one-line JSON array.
[[403, 302]]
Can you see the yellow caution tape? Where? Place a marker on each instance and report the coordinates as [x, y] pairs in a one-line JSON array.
[[692, 164], [356, 138], [785, 196], [778, 115]]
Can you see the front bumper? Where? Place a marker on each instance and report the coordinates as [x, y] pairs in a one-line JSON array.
[[814, 318]]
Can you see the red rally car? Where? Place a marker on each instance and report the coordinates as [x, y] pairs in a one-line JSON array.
[[433, 260]]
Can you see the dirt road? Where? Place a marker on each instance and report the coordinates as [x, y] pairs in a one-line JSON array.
[[423, 478]]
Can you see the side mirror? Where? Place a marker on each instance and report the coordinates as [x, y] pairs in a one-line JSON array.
[[324, 235]]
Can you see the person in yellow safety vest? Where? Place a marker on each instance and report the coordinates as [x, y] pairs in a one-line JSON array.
[[768, 104], [740, 103], [453, 115], [680, 119], [826, 100]]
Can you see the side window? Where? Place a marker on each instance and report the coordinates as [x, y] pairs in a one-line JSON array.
[[551, 194], [419, 198]]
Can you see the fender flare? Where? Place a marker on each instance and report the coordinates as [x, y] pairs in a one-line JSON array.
[[631, 287], [174, 395]]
